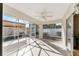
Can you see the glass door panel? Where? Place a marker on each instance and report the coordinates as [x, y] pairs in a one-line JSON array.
[[32, 30], [69, 29], [22, 39], [10, 36]]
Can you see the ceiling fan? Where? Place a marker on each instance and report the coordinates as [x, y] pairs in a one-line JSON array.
[[44, 15]]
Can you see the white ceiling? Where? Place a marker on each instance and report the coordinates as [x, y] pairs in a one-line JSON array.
[[56, 10]]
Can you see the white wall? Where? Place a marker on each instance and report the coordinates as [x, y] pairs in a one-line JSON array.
[[40, 31]]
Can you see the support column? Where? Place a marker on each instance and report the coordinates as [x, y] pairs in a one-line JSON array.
[[64, 32], [40, 31]]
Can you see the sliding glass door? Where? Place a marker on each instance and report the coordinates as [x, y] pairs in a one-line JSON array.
[[14, 36], [10, 35]]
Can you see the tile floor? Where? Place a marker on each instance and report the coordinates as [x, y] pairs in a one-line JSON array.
[[29, 47]]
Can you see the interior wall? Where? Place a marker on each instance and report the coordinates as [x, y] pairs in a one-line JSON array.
[[40, 31], [69, 12]]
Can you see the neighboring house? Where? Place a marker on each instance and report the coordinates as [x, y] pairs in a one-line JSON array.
[[12, 29]]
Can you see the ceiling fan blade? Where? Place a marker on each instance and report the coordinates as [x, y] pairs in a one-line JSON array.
[[44, 17], [49, 16], [37, 16]]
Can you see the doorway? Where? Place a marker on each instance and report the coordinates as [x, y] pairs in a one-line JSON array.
[[76, 35]]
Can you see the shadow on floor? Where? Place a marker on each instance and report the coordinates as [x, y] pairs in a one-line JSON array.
[[63, 51]]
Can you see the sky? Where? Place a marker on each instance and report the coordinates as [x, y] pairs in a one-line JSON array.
[[12, 19], [9, 18]]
